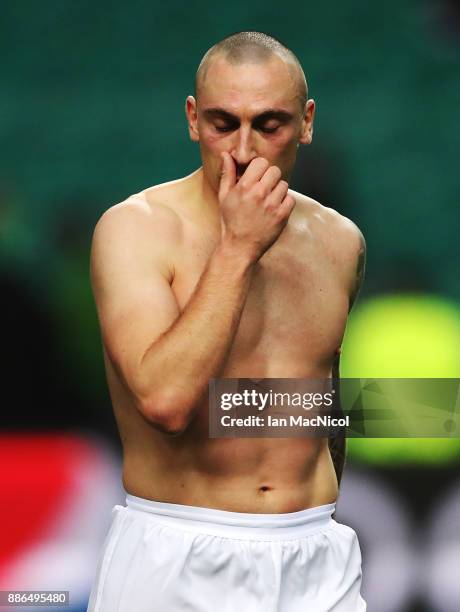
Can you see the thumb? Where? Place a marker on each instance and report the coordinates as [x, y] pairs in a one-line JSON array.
[[227, 176]]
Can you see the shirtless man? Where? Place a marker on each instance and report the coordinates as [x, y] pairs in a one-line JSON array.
[[226, 273]]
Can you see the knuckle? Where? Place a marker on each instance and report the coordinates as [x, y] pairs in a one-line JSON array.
[[259, 191]]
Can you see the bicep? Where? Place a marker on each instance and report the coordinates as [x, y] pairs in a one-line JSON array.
[[359, 269], [133, 295], [337, 441]]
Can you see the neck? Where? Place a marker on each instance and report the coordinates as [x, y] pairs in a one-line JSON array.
[[206, 195], [203, 198]]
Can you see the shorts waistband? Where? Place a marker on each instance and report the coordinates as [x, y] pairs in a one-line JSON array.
[[223, 522]]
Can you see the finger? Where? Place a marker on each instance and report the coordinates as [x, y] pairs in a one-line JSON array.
[[287, 205], [278, 194], [271, 178], [254, 172], [227, 175]]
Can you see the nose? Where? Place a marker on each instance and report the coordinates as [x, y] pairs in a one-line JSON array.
[[243, 150]]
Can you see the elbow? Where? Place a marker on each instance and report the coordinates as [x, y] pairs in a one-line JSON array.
[[168, 414]]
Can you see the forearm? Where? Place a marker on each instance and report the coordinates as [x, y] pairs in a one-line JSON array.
[[176, 368], [337, 448], [337, 442]]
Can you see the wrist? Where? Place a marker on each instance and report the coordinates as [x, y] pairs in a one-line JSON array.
[[231, 252]]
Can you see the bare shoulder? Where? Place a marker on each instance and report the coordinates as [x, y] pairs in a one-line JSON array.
[[342, 241], [136, 234], [339, 233], [139, 216]]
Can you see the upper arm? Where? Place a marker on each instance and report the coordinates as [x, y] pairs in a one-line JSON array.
[[131, 273], [352, 252], [360, 266]]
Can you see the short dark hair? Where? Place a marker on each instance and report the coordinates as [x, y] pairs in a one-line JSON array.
[[251, 47]]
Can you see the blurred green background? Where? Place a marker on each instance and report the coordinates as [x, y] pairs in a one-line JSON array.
[[92, 110]]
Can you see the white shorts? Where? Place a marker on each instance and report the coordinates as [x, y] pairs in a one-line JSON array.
[[171, 558]]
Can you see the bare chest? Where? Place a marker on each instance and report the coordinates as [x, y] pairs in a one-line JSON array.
[[295, 312]]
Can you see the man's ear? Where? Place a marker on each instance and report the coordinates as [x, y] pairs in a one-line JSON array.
[[192, 118], [306, 131]]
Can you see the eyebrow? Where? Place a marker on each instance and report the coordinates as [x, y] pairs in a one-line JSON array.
[[271, 113]]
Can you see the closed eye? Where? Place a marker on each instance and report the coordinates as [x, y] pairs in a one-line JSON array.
[[261, 128], [268, 130], [225, 128]]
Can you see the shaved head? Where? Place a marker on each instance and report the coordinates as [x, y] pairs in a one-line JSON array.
[[252, 48]]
